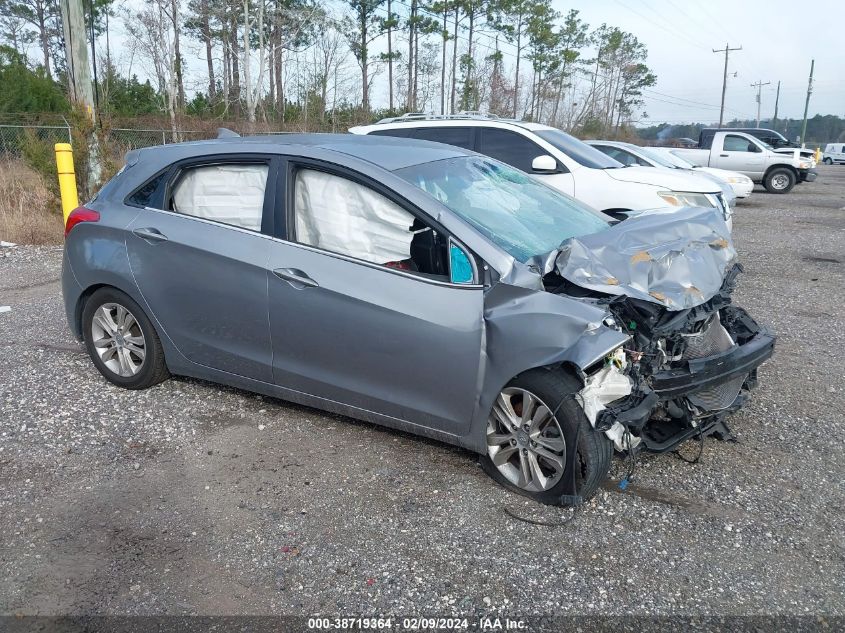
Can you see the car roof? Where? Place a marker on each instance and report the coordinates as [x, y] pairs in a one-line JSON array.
[[452, 122], [387, 152]]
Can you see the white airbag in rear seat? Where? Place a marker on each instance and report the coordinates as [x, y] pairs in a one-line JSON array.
[[232, 194]]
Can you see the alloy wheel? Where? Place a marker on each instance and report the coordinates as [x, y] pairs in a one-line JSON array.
[[118, 339], [525, 441]]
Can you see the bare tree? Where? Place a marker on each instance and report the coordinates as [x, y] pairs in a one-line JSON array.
[[151, 33]]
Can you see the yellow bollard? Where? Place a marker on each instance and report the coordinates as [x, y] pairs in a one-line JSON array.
[[818, 156], [67, 178]]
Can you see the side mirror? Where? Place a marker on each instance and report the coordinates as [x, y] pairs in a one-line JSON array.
[[460, 267], [544, 164], [753, 148]]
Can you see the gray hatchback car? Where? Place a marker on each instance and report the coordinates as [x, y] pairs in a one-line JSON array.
[[418, 286]]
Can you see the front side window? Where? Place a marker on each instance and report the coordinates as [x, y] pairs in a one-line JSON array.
[[513, 210], [509, 147], [342, 216], [623, 156], [230, 193], [735, 143]]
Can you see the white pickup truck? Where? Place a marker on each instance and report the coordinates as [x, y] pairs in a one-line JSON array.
[[737, 151]]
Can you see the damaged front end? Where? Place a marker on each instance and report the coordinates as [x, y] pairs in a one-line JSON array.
[[692, 356], [682, 375]]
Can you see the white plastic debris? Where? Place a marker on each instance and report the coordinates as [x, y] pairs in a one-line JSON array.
[[5, 308], [603, 387], [4, 244]]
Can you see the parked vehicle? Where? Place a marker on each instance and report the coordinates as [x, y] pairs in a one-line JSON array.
[[737, 151], [741, 184], [734, 185], [834, 153], [775, 139], [418, 286], [560, 160]]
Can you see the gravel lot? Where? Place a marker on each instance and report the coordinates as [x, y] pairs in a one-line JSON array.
[[190, 498]]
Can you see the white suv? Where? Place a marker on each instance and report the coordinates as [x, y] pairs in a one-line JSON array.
[[561, 161]]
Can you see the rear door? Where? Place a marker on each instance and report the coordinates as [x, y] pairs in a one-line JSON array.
[[199, 257], [362, 307]]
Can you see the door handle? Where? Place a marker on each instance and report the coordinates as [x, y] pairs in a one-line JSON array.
[[150, 234], [295, 278], [723, 155]]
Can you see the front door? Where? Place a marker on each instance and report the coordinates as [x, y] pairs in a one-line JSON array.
[[742, 155], [362, 309]]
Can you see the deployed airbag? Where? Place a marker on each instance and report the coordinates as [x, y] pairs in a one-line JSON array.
[[342, 216], [677, 259], [231, 194]]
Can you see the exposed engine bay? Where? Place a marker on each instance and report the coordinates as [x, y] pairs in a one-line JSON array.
[[682, 373]]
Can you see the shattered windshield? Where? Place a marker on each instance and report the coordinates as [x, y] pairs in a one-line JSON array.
[[521, 215]]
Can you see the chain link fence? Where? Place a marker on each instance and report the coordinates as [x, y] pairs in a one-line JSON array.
[[14, 138]]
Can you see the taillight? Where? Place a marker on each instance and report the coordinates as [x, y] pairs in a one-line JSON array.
[[80, 214]]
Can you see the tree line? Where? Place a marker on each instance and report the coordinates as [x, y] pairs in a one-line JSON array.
[[303, 61]]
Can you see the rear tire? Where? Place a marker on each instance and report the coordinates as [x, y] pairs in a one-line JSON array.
[[121, 340], [780, 180], [556, 391]]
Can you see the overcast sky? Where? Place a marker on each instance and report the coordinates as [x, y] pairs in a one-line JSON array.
[[778, 39]]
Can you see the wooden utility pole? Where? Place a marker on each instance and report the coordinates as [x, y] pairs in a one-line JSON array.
[[759, 85], [726, 51], [775, 117], [81, 87], [807, 102]]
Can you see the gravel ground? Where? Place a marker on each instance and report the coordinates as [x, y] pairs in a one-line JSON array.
[[190, 498]]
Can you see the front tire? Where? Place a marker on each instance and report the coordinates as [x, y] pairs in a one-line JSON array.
[[828, 161], [121, 340], [526, 439], [780, 180]]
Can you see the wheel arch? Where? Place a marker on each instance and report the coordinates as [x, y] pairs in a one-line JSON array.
[[782, 166]]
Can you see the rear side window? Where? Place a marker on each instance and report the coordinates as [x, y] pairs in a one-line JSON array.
[[400, 132], [230, 194], [509, 147], [143, 197], [458, 136]]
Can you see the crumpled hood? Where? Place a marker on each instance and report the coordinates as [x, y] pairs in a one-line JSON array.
[[665, 178], [677, 260]]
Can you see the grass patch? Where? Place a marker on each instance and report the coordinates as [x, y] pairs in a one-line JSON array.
[[29, 211]]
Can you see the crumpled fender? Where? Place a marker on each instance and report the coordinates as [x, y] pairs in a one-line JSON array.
[[547, 329]]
